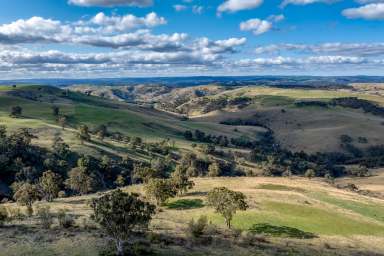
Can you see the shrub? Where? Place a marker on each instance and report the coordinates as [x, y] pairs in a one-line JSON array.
[[50, 185], [310, 173], [196, 228], [62, 194], [119, 214], [346, 139], [27, 194], [246, 238], [45, 216], [3, 215], [65, 220]]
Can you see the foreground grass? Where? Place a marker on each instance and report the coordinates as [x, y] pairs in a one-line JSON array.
[[280, 208]]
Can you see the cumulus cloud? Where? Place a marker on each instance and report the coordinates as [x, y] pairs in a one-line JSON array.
[[257, 26], [142, 39], [374, 11], [111, 3], [35, 29], [238, 5], [101, 30], [127, 22], [310, 61], [305, 2], [344, 49], [201, 52]]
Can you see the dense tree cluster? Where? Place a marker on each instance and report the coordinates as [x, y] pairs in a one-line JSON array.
[[347, 102]]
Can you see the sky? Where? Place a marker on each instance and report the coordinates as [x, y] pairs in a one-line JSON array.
[[150, 38]]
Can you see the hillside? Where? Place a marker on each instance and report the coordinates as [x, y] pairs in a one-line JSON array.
[[310, 128], [125, 118], [259, 141], [343, 222]]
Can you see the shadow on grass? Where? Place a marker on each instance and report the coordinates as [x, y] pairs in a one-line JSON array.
[[280, 188], [281, 231], [197, 193], [185, 204]]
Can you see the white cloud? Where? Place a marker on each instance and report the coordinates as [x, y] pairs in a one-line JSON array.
[[127, 22], [179, 7], [238, 5], [344, 49], [111, 3], [197, 9], [35, 29], [311, 61], [276, 18], [305, 2], [257, 26], [373, 11], [369, 1]]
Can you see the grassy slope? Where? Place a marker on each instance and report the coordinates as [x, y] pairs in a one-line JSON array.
[[310, 129], [132, 120], [344, 220]]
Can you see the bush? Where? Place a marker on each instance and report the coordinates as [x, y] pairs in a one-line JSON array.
[[65, 220], [246, 238], [45, 216], [3, 215], [310, 173], [62, 194], [196, 228]]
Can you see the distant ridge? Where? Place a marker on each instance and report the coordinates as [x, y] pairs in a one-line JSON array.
[[298, 81]]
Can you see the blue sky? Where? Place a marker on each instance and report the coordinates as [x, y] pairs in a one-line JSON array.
[[121, 38]]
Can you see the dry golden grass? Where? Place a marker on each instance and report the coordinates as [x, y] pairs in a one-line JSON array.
[[342, 219]]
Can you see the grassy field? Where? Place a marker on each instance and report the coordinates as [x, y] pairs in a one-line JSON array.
[[344, 221]]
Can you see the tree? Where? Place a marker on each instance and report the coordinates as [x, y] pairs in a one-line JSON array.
[[310, 173], [119, 214], [62, 121], [16, 111], [120, 181], [84, 134], [226, 202], [188, 135], [55, 111], [102, 132], [50, 185], [160, 190], [214, 170], [144, 173], [60, 148], [207, 148], [160, 166], [181, 181], [79, 180], [26, 195]]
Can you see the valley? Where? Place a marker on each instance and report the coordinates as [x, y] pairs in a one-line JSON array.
[[309, 162]]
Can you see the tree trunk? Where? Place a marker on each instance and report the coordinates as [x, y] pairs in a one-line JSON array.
[[119, 247], [228, 222]]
